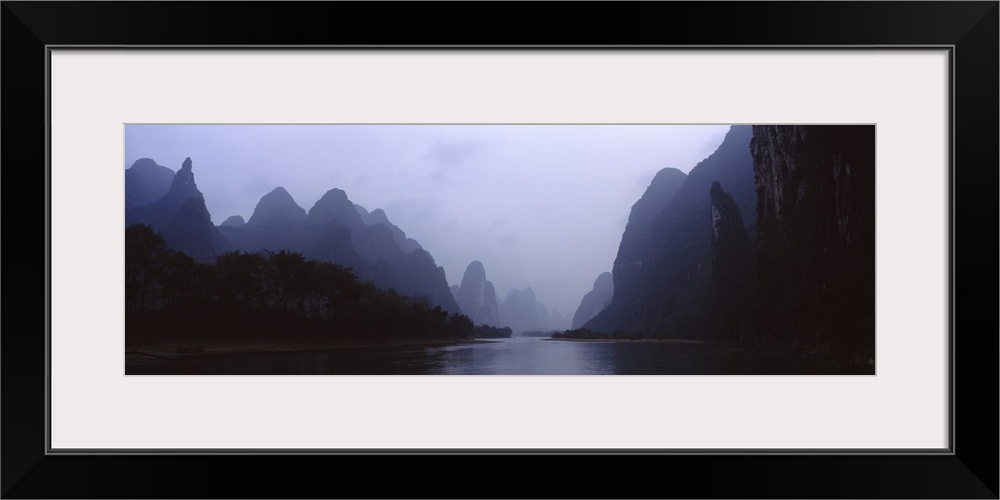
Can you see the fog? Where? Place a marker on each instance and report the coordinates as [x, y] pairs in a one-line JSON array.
[[539, 205]]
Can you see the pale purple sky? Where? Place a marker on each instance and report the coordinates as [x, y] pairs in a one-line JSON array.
[[539, 205]]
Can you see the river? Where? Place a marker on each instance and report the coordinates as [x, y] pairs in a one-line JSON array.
[[515, 356]]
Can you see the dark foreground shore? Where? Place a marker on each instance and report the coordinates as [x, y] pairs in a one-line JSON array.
[[630, 341], [437, 356], [144, 353], [852, 364]]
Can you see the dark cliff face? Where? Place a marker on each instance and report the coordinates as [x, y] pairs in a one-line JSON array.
[[595, 300], [146, 182], [733, 269], [666, 295], [477, 296], [181, 216], [816, 235], [730, 246], [183, 185]]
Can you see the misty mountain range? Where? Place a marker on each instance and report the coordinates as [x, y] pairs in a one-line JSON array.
[[334, 230], [769, 237]]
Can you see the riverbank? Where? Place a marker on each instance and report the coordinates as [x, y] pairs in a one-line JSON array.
[[471, 357], [177, 350]]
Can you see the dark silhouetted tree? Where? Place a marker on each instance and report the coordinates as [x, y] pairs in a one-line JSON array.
[[145, 254]]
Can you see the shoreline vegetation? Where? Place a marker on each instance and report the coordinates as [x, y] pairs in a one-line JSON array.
[[272, 298], [267, 303]]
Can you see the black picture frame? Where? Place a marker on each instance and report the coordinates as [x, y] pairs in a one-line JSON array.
[[970, 470]]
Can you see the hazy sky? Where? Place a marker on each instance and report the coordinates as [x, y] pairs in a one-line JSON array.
[[539, 205]]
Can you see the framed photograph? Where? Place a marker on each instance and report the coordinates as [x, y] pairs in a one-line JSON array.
[[294, 232], [343, 290]]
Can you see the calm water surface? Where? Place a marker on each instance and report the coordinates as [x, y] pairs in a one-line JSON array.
[[516, 356]]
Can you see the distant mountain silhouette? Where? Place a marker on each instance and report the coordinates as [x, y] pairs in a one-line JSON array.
[[334, 206], [181, 217], [277, 209], [544, 319], [557, 321], [146, 182], [520, 311], [277, 223], [595, 300], [477, 296], [335, 230], [378, 216], [233, 221]]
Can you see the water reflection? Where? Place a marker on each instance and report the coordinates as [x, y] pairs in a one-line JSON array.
[[517, 356], [523, 356]]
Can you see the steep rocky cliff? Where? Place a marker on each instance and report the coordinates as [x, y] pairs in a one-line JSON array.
[[816, 235], [181, 216], [662, 276], [733, 269], [637, 250]]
